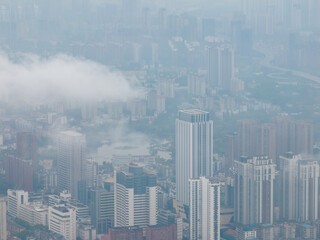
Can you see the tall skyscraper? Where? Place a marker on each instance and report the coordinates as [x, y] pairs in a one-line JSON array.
[[27, 148], [71, 162], [213, 65], [299, 188], [92, 173], [62, 220], [247, 130], [220, 67], [254, 183], [135, 197], [226, 68], [231, 149], [194, 149], [204, 209], [289, 191], [3, 218], [308, 190]]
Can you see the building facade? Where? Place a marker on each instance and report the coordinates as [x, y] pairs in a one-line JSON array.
[[71, 162], [204, 209], [254, 188], [62, 220], [15, 199], [299, 188], [194, 149], [135, 198], [3, 218]]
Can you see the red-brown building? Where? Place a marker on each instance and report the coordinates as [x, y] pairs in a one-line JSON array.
[[162, 232], [125, 234]]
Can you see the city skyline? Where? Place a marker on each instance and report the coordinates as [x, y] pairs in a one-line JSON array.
[[159, 120]]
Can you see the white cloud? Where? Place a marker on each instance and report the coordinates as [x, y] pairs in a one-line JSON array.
[[35, 80]]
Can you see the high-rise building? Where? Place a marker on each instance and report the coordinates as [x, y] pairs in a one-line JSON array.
[[204, 209], [293, 136], [272, 139], [102, 207], [15, 199], [247, 130], [220, 67], [135, 197], [213, 66], [197, 85], [3, 218], [299, 188], [231, 149], [266, 144], [92, 173], [71, 162], [27, 148], [166, 87], [303, 137], [19, 173], [254, 183], [194, 149], [62, 220], [226, 73], [308, 173], [289, 190]]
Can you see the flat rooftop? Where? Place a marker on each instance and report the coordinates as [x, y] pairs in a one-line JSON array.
[[71, 133], [193, 115], [193, 111]]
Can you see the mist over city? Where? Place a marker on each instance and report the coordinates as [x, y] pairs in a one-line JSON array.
[[159, 119]]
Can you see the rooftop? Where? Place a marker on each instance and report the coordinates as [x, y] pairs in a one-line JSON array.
[[193, 111], [72, 133], [61, 209]]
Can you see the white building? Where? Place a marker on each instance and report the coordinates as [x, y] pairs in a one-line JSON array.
[[299, 188], [194, 149], [62, 220], [3, 218], [204, 209], [308, 190], [34, 213], [15, 199], [254, 184], [82, 210], [71, 164], [289, 184], [135, 198]]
